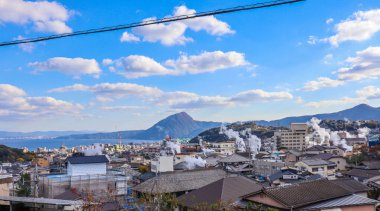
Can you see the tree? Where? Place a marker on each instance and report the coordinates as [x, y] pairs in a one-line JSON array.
[[24, 185]]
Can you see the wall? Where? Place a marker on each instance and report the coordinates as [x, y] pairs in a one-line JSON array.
[[85, 169]]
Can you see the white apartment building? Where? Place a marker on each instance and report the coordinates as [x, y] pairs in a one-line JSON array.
[[296, 137], [162, 164], [224, 148]]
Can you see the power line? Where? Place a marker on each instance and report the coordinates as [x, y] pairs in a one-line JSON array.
[[151, 22]]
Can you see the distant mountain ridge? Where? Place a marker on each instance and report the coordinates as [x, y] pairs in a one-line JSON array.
[[359, 112], [179, 125], [49, 134]]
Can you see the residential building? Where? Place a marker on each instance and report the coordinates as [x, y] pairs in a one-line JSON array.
[[223, 148], [162, 163], [224, 192], [341, 162], [87, 165], [267, 167], [317, 166], [313, 195], [296, 137]]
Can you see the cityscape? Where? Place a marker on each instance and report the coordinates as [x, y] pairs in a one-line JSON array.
[[190, 105]]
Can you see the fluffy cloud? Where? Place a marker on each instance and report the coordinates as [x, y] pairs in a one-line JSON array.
[[261, 95], [362, 25], [121, 108], [111, 91], [207, 62], [366, 64], [175, 99], [136, 66], [369, 92], [71, 66], [174, 33], [46, 16], [26, 47], [322, 82], [127, 37], [16, 104]]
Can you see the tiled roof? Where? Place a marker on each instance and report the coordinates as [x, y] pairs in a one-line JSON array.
[[302, 194], [351, 200], [179, 181], [363, 173], [88, 159], [234, 158], [351, 185], [315, 162], [226, 190]]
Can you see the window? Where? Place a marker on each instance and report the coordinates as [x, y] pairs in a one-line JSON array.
[[314, 169]]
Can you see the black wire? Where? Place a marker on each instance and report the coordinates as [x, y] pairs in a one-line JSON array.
[[151, 22]]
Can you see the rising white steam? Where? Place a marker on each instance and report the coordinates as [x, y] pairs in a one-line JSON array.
[[194, 162], [175, 147], [363, 132], [320, 135], [240, 145]]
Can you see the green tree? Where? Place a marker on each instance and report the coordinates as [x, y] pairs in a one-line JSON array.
[[24, 185]]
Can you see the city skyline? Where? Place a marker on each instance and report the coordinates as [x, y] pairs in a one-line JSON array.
[[220, 68]]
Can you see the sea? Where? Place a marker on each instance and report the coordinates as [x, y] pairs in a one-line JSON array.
[[33, 144]]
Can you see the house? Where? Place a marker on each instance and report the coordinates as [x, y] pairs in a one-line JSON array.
[[341, 163], [223, 148], [87, 165], [362, 175], [317, 166], [224, 193], [311, 195], [290, 176], [162, 164], [318, 149], [180, 182], [352, 185], [237, 164]]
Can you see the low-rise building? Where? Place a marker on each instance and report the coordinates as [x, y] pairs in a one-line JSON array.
[[162, 164], [317, 166], [267, 167], [224, 148]]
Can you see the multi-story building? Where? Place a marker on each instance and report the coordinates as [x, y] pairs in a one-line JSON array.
[[296, 137], [224, 148]]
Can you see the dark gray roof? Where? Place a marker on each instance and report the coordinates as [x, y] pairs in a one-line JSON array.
[[363, 173], [314, 162], [234, 158], [325, 156], [316, 148], [351, 200], [88, 159], [179, 181], [226, 190], [305, 193], [351, 185]]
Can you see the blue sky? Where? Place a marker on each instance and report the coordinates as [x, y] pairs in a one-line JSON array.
[[304, 58]]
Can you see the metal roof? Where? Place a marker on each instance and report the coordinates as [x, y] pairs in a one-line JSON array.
[[88, 159], [234, 158], [351, 200]]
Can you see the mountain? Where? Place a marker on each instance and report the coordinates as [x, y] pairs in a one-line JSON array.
[[179, 125], [35, 134], [8, 154], [359, 112]]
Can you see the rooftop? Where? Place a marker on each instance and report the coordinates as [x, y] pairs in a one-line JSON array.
[[234, 158], [315, 162], [179, 181], [226, 190], [351, 200], [88, 159], [351, 185]]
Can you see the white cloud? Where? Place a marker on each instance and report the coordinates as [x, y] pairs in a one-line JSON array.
[[26, 47], [16, 104], [111, 91], [174, 33], [322, 82], [365, 65], [173, 99], [330, 20], [369, 92], [137, 66], [362, 25], [46, 16], [71, 66], [327, 59], [337, 102], [257, 95], [127, 37], [207, 62], [210, 24], [122, 108]]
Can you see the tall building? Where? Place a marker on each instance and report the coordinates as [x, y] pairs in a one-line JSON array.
[[296, 137]]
